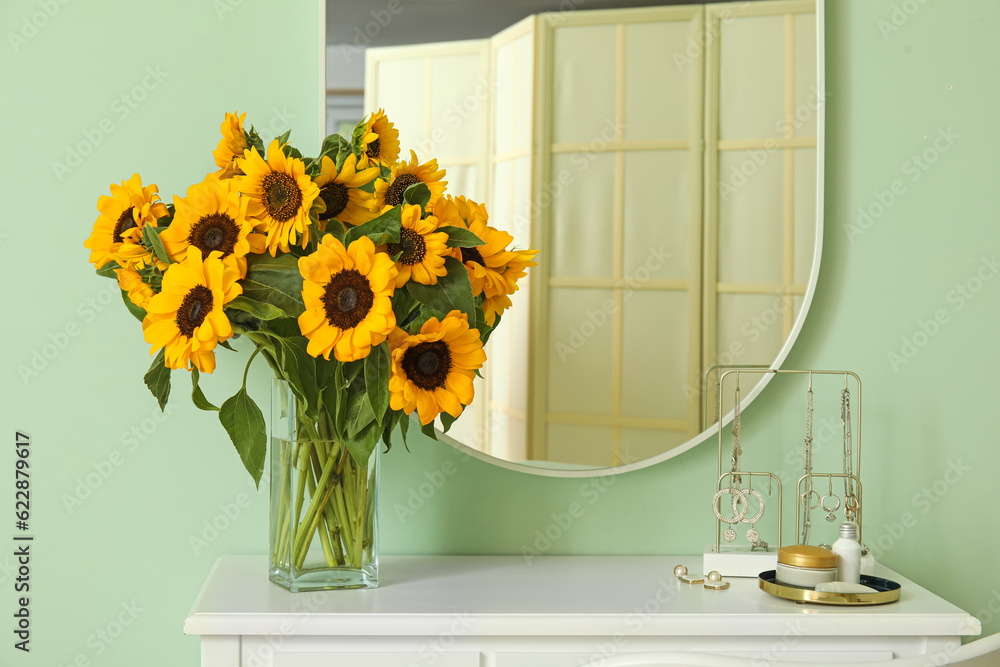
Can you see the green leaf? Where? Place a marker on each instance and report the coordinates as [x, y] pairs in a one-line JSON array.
[[402, 305], [157, 378], [254, 140], [352, 369], [275, 280], [244, 422], [485, 330], [136, 311], [428, 430], [418, 194], [262, 311], [197, 397], [404, 425], [336, 148], [384, 229], [359, 413], [108, 269], [334, 227], [377, 379], [300, 370], [452, 292], [363, 443], [446, 421], [358, 134], [305, 375], [340, 419], [389, 424], [242, 321], [283, 139], [225, 344], [459, 237], [334, 400], [151, 239], [325, 372]]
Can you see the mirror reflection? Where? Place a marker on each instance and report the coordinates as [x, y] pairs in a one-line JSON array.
[[664, 160]]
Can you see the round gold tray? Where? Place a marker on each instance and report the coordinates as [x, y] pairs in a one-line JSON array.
[[885, 591]]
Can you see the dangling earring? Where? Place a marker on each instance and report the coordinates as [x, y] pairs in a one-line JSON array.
[[831, 512]]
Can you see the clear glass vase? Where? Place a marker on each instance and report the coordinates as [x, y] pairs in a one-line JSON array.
[[324, 506]]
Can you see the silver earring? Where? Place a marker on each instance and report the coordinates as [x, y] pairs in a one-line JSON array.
[[831, 512], [760, 499], [738, 496]]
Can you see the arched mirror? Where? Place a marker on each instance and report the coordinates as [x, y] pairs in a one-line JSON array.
[[666, 159]]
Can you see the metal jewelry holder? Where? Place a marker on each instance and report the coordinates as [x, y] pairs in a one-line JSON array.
[[745, 562]]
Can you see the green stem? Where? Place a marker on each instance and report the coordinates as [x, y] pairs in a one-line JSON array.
[[273, 363], [247, 369], [359, 537], [311, 526], [300, 491], [324, 540], [350, 491], [315, 507], [283, 507], [343, 518]]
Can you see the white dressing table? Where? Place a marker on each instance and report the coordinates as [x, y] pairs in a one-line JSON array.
[[557, 611]]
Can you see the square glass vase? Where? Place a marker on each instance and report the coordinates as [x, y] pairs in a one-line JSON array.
[[324, 505]]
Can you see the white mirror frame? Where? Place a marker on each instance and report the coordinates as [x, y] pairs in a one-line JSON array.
[[713, 430]]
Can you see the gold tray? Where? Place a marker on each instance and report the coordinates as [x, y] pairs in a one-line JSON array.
[[885, 591]]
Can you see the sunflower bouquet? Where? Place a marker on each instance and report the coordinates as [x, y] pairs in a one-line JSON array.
[[366, 289]]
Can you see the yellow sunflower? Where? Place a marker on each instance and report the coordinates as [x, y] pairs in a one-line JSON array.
[[186, 317], [231, 146], [423, 247], [493, 270], [432, 371], [117, 233], [280, 196], [212, 216], [348, 298], [380, 143], [139, 292], [341, 192], [403, 175]]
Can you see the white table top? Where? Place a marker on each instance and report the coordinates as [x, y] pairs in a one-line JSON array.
[[553, 595]]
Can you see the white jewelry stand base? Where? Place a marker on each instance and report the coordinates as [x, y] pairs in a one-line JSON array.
[[739, 561]]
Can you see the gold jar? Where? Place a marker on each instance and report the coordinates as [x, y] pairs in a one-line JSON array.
[[805, 566]]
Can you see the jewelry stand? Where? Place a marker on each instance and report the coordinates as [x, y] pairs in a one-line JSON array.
[[750, 561]]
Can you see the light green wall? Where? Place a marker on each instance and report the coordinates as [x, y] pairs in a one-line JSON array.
[[130, 541]]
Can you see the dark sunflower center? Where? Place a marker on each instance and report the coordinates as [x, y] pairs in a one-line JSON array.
[[411, 244], [394, 195], [374, 148], [427, 364], [194, 309], [347, 299], [335, 197], [282, 196], [472, 255], [125, 222], [216, 231]]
